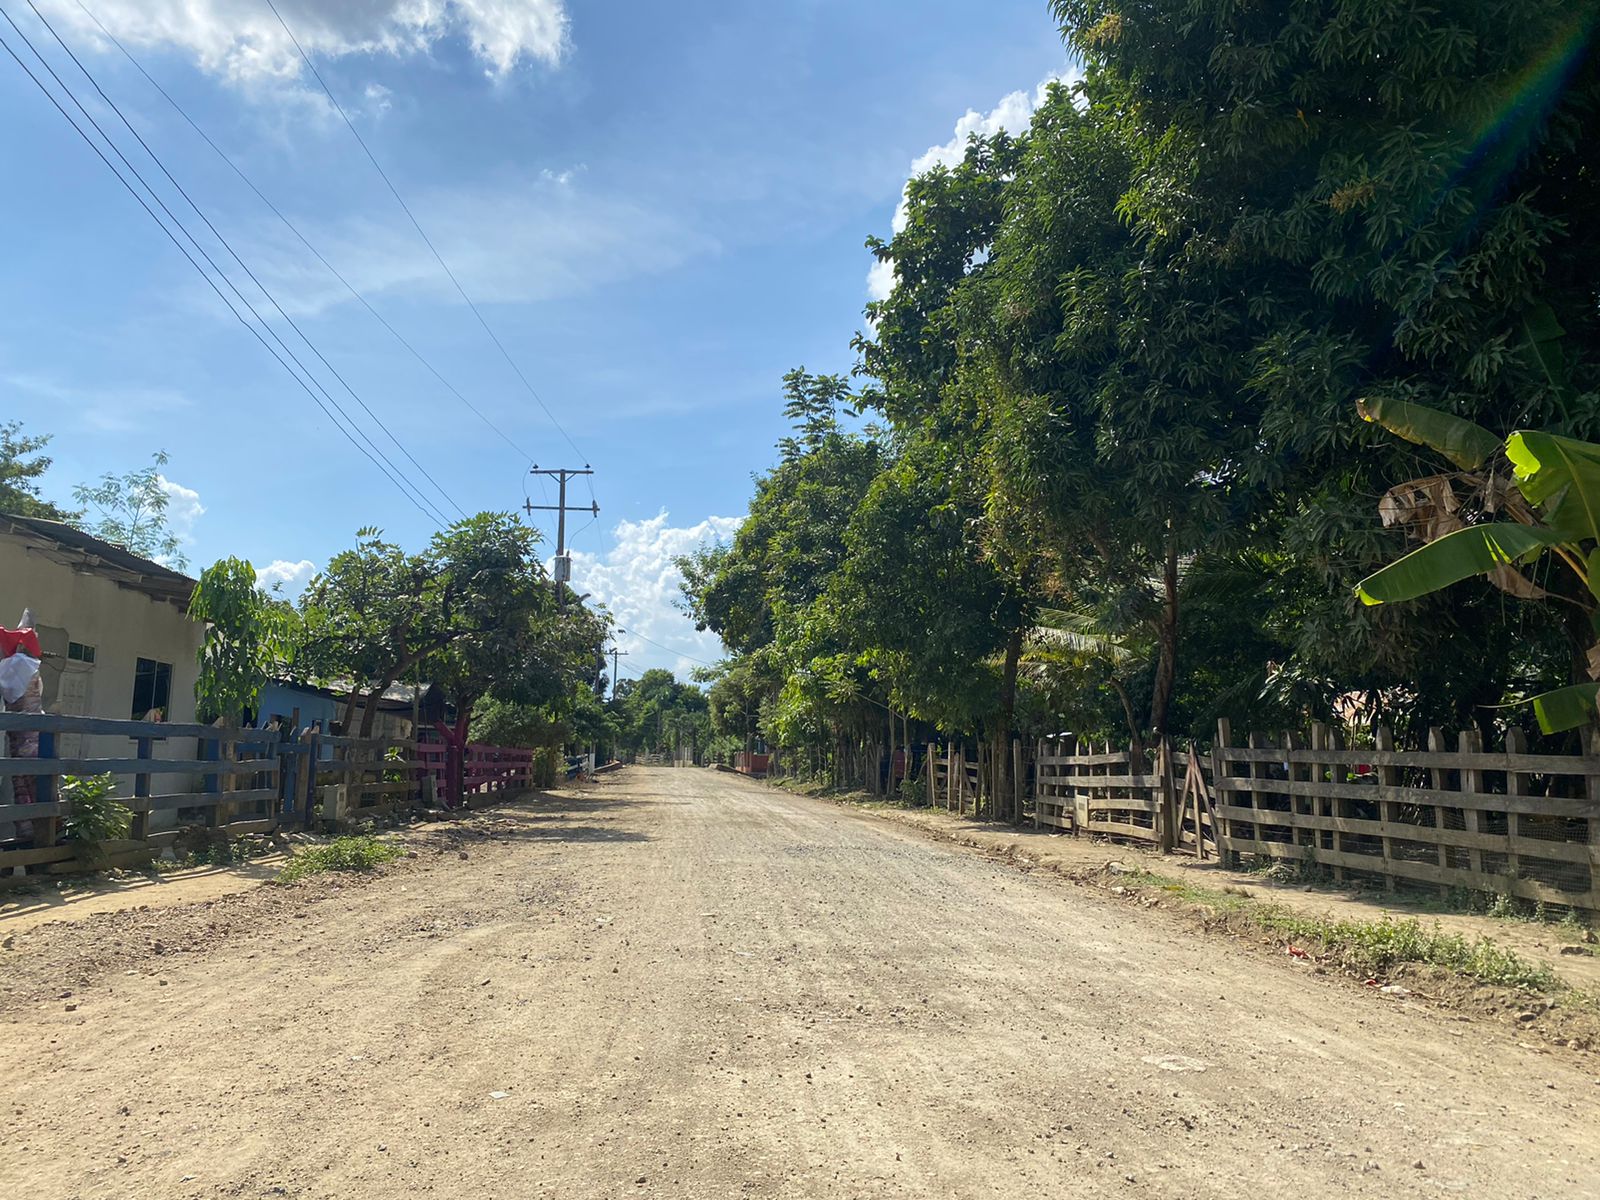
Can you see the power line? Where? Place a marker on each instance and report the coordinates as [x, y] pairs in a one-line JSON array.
[[236, 258], [210, 282], [304, 241], [670, 650], [415, 224], [386, 467]]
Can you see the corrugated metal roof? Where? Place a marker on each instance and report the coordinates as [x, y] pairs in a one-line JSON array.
[[74, 547]]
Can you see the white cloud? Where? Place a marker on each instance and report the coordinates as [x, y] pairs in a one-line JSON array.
[[1010, 115], [638, 581], [183, 506], [881, 279], [535, 239], [284, 578], [183, 510], [378, 98], [242, 41]]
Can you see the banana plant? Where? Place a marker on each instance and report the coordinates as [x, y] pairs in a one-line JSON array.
[[1540, 493]]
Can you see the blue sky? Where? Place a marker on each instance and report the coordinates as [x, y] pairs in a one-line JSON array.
[[658, 208]]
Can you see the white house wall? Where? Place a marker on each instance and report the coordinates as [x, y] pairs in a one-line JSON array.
[[123, 625]]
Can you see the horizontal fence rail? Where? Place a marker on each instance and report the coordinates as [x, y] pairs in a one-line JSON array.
[[171, 777], [1455, 818], [217, 784]]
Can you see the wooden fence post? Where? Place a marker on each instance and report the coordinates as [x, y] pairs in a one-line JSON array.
[[211, 751], [1167, 835], [1591, 750], [1080, 795], [1257, 769], [1222, 827], [1441, 781], [1470, 741], [933, 784], [46, 829], [1516, 785], [1016, 781], [1038, 778], [140, 830]]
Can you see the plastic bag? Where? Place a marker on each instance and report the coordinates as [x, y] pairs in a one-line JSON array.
[[16, 672]]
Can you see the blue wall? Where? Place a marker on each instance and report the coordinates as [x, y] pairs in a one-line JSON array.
[[278, 699]]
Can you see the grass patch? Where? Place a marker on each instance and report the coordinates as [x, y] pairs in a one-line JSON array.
[[1370, 947], [1379, 946], [1231, 900], [341, 854]]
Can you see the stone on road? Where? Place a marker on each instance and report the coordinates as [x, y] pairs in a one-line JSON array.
[[680, 983]]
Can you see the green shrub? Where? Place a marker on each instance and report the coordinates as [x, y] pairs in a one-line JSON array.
[[341, 854], [95, 816]]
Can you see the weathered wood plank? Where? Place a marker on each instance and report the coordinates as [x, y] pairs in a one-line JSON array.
[[1541, 764], [134, 766], [1552, 806], [157, 730], [1140, 832], [1423, 872], [1399, 830]]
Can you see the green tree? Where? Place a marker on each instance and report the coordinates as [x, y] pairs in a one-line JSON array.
[[21, 466], [249, 635], [130, 510], [369, 620]]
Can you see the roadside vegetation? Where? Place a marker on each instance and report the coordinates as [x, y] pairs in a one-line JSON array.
[[1246, 314], [1371, 947], [360, 853]]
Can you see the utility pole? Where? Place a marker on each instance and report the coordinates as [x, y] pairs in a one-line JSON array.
[[615, 654], [563, 570]]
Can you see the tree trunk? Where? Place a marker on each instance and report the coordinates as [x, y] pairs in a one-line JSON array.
[[1167, 664], [1008, 716], [889, 786], [1135, 734], [455, 740]]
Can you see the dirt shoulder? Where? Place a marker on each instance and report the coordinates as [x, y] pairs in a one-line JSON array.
[[1562, 949], [679, 984]]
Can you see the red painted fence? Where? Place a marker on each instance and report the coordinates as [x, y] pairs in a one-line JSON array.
[[485, 770]]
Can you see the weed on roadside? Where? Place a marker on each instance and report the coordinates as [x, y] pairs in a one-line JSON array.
[[1368, 947], [1379, 946], [341, 854]]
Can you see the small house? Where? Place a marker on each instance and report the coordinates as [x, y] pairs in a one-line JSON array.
[[118, 640]]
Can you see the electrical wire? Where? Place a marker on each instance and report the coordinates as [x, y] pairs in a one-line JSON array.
[[702, 662], [210, 282], [93, 82], [304, 241], [415, 224]]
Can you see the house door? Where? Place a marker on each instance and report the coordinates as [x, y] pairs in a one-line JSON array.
[[74, 694]]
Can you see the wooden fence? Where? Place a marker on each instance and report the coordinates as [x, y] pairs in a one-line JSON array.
[[176, 778], [1453, 818], [1456, 819], [485, 770], [224, 780]]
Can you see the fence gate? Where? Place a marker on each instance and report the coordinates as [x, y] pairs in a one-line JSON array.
[[1196, 815]]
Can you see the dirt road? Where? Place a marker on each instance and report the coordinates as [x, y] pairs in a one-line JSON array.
[[683, 984]]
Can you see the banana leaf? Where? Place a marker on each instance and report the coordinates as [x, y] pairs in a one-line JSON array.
[[1463, 442], [1475, 550], [1566, 708], [1562, 477]]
